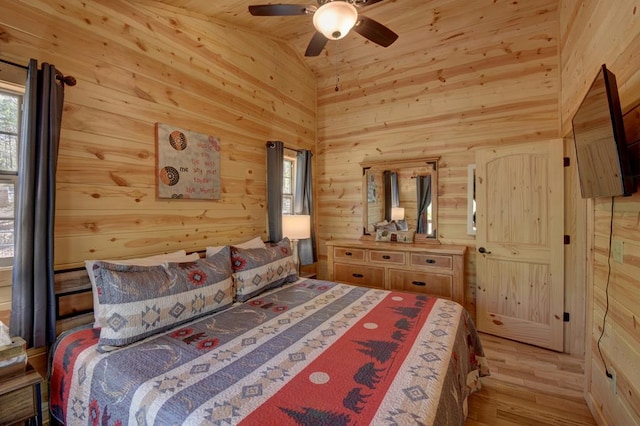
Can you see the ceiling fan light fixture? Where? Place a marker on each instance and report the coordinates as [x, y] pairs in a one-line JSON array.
[[335, 19]]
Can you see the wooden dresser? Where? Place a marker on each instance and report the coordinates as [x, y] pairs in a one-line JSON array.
[[436, 270]]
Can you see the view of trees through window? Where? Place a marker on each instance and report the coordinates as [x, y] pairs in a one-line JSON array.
[[288, 184], [10, 104]]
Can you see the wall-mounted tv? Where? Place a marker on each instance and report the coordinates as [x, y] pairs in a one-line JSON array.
[[601, 147]]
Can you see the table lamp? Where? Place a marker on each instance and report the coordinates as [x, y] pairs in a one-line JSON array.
[[296, 227], [397, 213]]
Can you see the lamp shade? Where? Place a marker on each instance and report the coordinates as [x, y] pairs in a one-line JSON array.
[[397, 213], [334, 19], [296, 227]]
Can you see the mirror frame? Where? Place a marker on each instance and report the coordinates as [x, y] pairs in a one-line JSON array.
[[402, 164]]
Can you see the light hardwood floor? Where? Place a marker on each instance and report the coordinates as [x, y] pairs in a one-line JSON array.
[[529, 386]]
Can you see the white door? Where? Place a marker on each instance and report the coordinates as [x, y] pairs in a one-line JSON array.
[[519, 242]]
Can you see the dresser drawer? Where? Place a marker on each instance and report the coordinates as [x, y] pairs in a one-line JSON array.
[[395, 257], [344, 253], [431, 260], [440, 285], [367, 276]]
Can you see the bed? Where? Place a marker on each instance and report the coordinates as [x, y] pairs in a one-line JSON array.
[[287, 351]]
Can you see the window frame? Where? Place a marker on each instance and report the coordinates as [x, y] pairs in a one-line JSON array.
[[292, 195], [10, 176]]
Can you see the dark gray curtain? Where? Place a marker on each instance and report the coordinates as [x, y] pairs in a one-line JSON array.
[[391, 192], [304, 205], [423, 186], [275, 158], [33, 313]]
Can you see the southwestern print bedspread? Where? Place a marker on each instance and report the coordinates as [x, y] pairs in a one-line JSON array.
[[311, 353]]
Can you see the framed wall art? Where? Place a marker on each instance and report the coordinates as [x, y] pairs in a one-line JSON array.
[[188, 164]]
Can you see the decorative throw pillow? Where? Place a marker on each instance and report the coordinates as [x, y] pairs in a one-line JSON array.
[[139, 301], [259, 269], [395, 236], [177, 256]]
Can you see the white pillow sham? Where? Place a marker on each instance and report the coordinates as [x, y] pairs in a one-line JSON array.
[[252, 243]]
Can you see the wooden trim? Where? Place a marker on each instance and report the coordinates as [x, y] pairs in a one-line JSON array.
[[588, 332]]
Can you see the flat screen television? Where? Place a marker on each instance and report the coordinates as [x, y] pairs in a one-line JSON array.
[[601, 148]]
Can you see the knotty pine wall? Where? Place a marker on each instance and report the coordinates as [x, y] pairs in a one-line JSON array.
[[488, 75], [593, 33], [135, 66]]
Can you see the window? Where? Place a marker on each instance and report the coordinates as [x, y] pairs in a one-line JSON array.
[[288, 184], [10, 118]]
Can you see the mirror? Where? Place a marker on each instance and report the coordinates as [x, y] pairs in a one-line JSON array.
[[471, 199], [391, 193]]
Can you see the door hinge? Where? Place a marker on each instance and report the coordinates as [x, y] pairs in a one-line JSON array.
[[567, 239], [566, 161], [565, 317]]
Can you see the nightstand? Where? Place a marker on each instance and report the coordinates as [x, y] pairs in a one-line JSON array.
[[21, 398], [308, 275]]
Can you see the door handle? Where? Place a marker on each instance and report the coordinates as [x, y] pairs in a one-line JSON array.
[[484, 250]]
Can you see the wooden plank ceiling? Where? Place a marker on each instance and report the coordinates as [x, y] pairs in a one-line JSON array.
[[415, 21]]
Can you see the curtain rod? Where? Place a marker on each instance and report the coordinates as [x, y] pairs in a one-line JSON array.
[[24, 67], [66, 79], [272, 144]]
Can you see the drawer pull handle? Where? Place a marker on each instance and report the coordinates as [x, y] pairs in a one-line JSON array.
[[357, 275], [419, 283], [386, 257], [348, 253], [430, 261]]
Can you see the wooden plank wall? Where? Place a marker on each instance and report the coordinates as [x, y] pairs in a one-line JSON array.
[[483, 75], [593, 33], [137, 65]]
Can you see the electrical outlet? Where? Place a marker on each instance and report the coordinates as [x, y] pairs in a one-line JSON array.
[[613, 381], [618, 251]]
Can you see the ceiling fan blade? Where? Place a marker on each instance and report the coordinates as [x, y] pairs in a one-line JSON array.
[[366, 2], [317, 43], [374, 31], [279, 9]]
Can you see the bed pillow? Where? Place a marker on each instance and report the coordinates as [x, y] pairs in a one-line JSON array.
[[177, 256], [395, 236], [402, 225], [139, 301], [391, 226], [258, 269], [252, 243]]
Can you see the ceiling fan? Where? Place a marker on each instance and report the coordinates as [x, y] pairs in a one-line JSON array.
[[332, 19]]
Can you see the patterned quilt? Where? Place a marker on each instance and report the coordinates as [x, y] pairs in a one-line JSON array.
[[311, 353]]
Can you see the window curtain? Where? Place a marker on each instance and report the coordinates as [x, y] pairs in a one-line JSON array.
[[391, 193], [33, 312], [303, 200], [423, 186], [275, 170]]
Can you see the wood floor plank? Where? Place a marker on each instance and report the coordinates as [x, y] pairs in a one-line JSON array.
[[529, 386]]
